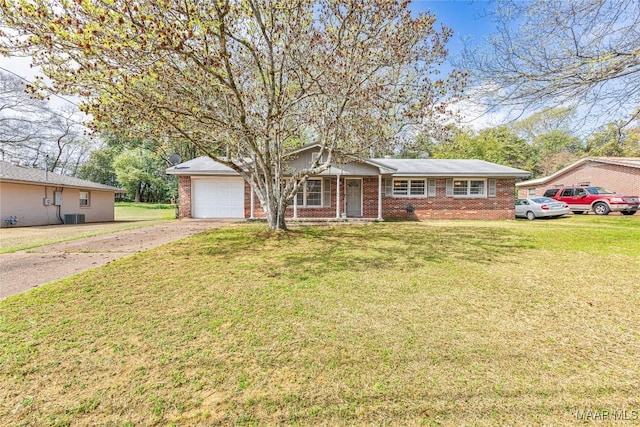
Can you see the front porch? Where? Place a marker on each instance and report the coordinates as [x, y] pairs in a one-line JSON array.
[[330, 198]]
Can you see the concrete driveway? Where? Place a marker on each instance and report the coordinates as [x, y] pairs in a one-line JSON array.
[[24, 270]]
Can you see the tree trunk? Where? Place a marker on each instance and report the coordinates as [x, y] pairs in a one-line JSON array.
[[275, 213], [274, 208]]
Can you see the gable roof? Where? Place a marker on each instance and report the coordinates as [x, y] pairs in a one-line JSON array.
[[451, 167], [632, 162], [204, 165], [24, 175]]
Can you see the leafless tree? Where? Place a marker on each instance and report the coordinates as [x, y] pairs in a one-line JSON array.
[[32, 133], [546, 53]]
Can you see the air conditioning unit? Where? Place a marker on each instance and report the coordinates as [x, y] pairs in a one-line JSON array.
[[74, 218]]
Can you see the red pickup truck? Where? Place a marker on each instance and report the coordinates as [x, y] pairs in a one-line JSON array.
[[596, 199]]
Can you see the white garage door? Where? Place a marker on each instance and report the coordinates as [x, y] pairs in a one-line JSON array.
[[219, 197]]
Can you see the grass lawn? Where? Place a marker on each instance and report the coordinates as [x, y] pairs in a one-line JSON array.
[[127, 216], [438, 323], [129, 211]]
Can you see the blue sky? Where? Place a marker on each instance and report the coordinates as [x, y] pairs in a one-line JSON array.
[[471, 25], [467, 18]]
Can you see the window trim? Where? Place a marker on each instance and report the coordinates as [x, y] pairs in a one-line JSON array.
[[409, 180], [88, 199], [451, 186], [303, 191]]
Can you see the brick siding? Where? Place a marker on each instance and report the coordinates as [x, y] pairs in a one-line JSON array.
[[619, 178], [184, 197], [445, 207], [424, 208]]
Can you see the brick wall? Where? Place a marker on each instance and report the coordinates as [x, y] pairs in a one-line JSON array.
[[443, 207], [438, 207], [184, 197], [370, 197], [319, 212], [618, 178]]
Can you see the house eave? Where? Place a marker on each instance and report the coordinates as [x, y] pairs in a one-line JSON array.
[[462, 175], [191, 172], [60, 185]]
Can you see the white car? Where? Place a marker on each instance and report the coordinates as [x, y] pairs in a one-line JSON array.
[[540, 207]]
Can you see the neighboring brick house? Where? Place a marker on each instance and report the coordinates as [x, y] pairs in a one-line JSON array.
[[380, 189], [618, 174]]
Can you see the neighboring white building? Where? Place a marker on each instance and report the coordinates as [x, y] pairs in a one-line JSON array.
[[31, 196]]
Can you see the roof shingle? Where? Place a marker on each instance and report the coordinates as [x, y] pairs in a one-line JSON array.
[[13, 173]]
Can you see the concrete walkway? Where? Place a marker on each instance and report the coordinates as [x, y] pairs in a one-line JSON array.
[[24, 270]]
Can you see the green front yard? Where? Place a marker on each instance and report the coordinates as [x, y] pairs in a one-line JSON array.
[[438, 323]]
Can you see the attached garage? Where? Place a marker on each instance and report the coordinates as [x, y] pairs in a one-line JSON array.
[[217, 197]]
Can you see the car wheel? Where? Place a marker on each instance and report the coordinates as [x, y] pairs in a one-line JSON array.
[[601, 208], [628, 212], [531, 216]]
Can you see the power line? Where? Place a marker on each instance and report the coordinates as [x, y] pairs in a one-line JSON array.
[[30, 82], [52, 111]]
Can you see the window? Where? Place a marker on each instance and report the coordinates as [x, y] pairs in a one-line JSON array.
[[468, 188], [316, 156], [409, 187], [84, 199], [460, 188], [401, 187], [417, 188], [531, 192], [310, 195], [476, 188]]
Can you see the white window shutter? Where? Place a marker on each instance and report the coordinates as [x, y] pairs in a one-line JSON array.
[[450, 188], [388, 187], [432, 188], [492, 188], [326, 196]]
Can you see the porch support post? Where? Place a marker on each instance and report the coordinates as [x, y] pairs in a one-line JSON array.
[[338, 197], [295, 205], [380, 197], [252, 208]]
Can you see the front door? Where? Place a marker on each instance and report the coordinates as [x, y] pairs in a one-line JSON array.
[[353, 197]]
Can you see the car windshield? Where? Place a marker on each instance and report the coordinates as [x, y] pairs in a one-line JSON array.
[[598, 190], [541, 200]]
